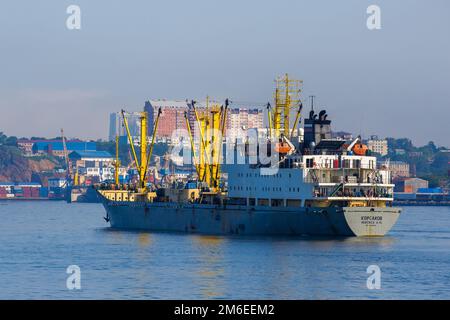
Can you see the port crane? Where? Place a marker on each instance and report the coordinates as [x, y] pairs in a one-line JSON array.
[[70, 178]]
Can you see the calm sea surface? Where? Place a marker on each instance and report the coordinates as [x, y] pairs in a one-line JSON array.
[[39, 240]]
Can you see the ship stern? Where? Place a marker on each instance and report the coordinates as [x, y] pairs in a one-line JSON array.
[[371, 221]]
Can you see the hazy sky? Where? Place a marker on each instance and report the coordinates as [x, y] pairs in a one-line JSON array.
[[391, 82]]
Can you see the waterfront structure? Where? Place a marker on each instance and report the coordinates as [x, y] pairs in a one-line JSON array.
[[377, 145], [92, 164], [23, 190], [56, 183], [6, 190]]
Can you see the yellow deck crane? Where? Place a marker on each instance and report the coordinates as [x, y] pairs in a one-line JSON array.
[[211, 122], [143, 161], [117, 163], [286, 97]]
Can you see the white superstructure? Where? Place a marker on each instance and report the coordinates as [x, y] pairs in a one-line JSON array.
[[310, 178]]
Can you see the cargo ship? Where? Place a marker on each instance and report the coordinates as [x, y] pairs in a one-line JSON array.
[[314, 184]]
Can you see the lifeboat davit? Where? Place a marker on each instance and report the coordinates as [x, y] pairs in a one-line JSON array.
[[360, 149]]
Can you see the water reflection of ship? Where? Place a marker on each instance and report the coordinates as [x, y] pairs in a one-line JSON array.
[[210, 273], [311, 255]]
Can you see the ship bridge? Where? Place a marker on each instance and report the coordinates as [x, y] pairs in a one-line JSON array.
[[344, 177]]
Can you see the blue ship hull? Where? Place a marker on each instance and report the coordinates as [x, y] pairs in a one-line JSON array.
[[242, 220]]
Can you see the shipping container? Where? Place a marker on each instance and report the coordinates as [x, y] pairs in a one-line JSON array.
[[429, 190], [43, 192], [404, 196]]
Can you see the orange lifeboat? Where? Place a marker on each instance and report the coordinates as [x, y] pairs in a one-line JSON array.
[[282, 147], [360, 149]]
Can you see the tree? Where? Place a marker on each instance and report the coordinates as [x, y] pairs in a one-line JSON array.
[[2, 138], [11, 141]]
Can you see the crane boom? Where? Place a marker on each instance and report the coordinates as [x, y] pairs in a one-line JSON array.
[[66, 155]]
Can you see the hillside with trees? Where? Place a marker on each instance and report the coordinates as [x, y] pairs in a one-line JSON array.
[[15, 167], [427, 162]]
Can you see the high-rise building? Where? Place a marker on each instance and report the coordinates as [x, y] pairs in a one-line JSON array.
[[114, 126], [151, 117], [117, 126], [377, 145], [173, 117], [239, 120]]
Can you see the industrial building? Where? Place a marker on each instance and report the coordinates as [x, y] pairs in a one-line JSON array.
[[410, 185], [56, 147], [82, 158], [92, 166]]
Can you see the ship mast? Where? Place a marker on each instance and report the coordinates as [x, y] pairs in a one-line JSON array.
[[117, 163], [287, 98]]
